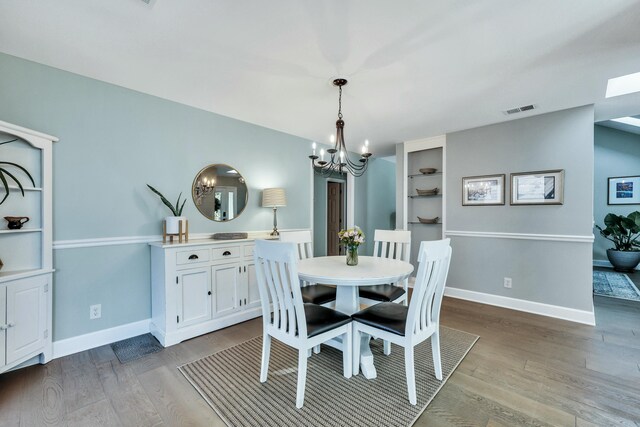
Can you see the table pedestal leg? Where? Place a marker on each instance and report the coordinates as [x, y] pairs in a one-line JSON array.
[[366, 358], [347, 301]]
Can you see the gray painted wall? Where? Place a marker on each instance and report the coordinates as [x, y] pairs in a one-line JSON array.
[[617, 153], [556, 273], [114, 140]]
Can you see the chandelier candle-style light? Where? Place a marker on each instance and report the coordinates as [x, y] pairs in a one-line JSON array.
[[338, 161]]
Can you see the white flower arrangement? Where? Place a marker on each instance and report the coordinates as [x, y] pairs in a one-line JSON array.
[[351, 237]]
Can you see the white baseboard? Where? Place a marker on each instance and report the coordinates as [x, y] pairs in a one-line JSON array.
[[96, 339], [606, 263], [565, 313]]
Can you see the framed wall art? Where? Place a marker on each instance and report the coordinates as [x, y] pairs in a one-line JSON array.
[[623, 190], [486, 190], [537, 188]]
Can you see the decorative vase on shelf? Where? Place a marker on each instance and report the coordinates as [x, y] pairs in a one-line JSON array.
[[352, 255]]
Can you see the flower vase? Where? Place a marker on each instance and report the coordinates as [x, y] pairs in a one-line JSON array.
[[352, 255]]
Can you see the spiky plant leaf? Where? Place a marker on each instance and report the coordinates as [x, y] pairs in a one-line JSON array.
[[6, 186]]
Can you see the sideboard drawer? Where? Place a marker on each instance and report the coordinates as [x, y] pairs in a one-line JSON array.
[[228, 252], [192, 257]]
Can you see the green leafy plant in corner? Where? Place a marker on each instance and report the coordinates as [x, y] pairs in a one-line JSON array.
[[5, 175], [175, 210], [623, 231]]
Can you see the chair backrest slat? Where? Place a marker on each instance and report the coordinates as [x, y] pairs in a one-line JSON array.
[[395, 244], [304, 244], [434, 259], [277, 273]]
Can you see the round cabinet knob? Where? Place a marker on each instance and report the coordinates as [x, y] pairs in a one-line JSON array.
[[11, 325], [3, 327], [209, 293]]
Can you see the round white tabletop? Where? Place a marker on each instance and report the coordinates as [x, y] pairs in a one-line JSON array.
[[333, 270]]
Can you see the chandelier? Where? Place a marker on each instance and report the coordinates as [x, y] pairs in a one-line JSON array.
[[203, 187], [338, 161]]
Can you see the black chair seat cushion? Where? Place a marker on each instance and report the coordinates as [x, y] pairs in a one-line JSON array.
[[318, 294], [388, 316], [383, 293], [322, 319]]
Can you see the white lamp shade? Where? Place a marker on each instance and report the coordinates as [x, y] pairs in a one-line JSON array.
[[273, 197]]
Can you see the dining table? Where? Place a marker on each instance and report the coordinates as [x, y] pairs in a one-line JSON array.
[[333, 270]]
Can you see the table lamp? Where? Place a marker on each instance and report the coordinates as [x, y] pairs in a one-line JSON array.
[[272, 198]]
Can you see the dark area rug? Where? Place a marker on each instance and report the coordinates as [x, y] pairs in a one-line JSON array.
[[614, 285], [229, 381], [136, 347]]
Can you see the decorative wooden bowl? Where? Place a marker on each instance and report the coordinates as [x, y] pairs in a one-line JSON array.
[[428, 220], [432, 192], [428, 171]]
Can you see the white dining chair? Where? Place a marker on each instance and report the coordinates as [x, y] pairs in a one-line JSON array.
[[311, 292], [409, 326], [299, 325], [393, 244]]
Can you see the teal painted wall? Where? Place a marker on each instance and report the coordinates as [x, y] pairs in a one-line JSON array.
[[616, 153], [375, 194], [114, 140]]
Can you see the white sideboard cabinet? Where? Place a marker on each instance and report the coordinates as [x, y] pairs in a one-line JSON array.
[[201, 286], [26, 278]]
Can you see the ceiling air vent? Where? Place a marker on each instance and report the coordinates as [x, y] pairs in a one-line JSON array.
[[519, 109]]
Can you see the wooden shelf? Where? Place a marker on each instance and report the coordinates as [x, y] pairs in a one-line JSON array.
[[424, 174], [418, 196], [22, 230]]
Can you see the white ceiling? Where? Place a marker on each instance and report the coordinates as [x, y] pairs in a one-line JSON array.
[[415, 68]]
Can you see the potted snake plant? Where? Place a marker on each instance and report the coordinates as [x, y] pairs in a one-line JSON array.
[[624, 232], [6, 175], [172, 222]]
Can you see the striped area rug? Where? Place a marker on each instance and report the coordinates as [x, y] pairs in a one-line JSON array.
[[229, 382]]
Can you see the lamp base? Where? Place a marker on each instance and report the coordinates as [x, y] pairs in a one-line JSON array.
[[275, 232]]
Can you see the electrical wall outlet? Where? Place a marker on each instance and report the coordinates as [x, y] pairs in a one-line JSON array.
[[95, 311], [507, 282]]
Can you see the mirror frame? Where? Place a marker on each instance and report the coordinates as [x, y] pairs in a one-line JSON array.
[[193, 191]]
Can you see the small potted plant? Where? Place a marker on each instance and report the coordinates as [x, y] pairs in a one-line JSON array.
[[351, 238], [172, 221], [624, 232]]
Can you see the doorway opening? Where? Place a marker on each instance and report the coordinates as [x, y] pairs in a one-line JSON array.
[[335, 216]]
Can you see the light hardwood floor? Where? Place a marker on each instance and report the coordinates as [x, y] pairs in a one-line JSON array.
[[525, 370]]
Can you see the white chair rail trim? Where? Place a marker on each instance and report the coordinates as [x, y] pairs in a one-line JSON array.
[[522, 236], [559, 312]]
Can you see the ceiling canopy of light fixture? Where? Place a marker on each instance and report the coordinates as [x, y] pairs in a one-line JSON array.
[[339, 161]]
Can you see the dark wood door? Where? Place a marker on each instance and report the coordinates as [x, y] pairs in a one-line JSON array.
[[334, 217]]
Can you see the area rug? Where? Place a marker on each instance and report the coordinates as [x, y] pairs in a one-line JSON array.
[[135, 348], [615, 285], [229, 382]]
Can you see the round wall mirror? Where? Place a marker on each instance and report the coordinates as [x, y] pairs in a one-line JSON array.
[[219, 192]]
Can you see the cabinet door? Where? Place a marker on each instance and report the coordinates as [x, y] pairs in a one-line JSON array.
[[226, 283], [253, 297], [26, 317], [3, 321], [194, 299]]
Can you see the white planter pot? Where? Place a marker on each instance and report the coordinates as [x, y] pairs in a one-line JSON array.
[[173, 224]]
